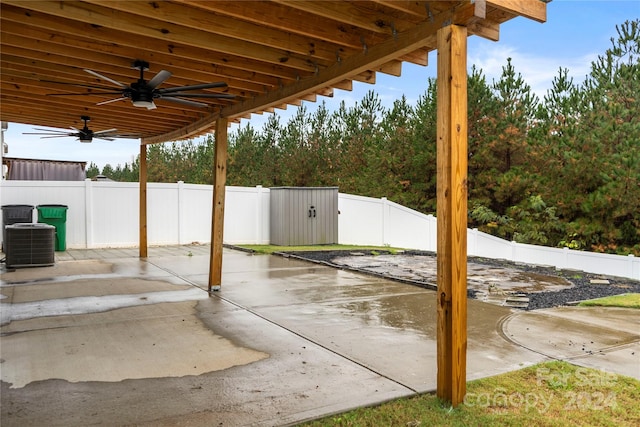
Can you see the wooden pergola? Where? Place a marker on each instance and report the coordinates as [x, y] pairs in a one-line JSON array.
[[271, 54]]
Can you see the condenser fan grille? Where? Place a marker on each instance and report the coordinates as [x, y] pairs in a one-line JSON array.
[[29, 245]]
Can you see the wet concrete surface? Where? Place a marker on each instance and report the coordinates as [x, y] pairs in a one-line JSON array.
[[504, 286], [606, 338], [106, 338]]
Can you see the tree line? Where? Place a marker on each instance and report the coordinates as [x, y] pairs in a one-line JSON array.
[[563, 170]]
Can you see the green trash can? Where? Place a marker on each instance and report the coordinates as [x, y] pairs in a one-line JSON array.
[[55, 215]]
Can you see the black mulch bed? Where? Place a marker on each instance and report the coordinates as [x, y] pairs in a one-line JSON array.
[[583, 288]]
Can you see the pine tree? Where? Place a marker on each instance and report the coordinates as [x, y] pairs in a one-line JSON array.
[[610, 131], [92, 170]]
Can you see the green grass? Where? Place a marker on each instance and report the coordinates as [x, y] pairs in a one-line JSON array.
[[623, 300], [269, 249], [548, 394]]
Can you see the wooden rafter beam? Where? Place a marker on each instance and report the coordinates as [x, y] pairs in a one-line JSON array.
[[225, 26], [420, 35], [532, 9], [107, 36], [40, 44], [119, 47], [282, 17], [108, 18], [486, 29], [349, 13]]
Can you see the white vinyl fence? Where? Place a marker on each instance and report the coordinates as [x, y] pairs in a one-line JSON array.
[[105, 214]]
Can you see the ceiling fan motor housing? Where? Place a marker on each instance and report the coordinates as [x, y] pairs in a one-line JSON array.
[[85, 134], [141, 92]]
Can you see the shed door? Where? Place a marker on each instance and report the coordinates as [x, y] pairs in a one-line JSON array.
[[322, 214], [314, 216], [304, 216]]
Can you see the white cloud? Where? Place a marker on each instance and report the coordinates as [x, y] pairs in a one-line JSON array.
[[538, 71]]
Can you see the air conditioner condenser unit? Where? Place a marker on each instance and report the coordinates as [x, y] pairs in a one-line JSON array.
[[29, 245]]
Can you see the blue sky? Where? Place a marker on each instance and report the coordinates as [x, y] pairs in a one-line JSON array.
[[576, 32]]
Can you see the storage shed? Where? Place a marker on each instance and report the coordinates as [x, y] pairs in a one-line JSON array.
[[303, 215]]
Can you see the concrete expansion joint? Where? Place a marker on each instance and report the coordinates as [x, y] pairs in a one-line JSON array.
[[317, 343], [179, 276]]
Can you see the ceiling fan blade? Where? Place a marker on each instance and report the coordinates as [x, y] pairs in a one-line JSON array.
[[126, 135], [158, 79], [192, 87], [115, 82], [106, 138], [203, 95], [51, 131], [84, 94], [111, 100], [78, 85], [184, 101], [59, 136], [100, 132]]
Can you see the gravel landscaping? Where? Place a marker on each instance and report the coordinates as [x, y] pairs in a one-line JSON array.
[[580, 285]]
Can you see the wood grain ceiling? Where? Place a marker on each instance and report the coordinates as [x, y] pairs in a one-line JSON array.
[[270, 53]]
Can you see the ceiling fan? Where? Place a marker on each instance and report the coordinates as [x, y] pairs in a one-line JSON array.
[[84, 135], [142, 93]]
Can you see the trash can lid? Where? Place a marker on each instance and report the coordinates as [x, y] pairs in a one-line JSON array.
[[17, 206], [52, 212]]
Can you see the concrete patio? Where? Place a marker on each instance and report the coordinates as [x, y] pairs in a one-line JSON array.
[[104, 337]]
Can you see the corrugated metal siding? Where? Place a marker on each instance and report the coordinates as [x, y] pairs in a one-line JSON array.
[[44, 170]]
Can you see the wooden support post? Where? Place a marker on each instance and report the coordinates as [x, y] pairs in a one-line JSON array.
[[217, 220], [143, 201], [452, 213]]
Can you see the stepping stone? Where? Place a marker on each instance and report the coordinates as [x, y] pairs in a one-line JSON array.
[[517, 299], [515, 304]]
